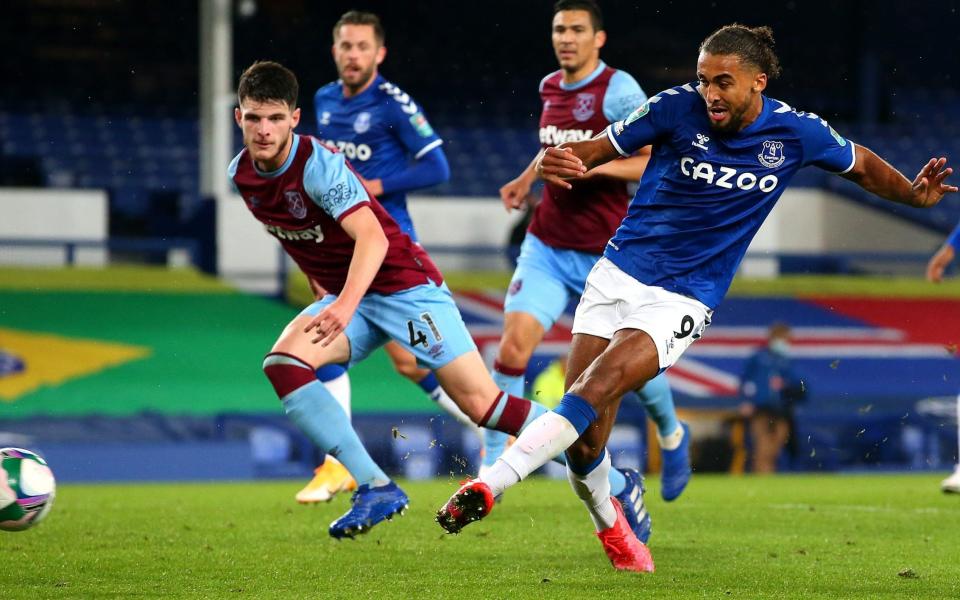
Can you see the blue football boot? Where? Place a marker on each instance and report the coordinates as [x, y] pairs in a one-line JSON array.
[[369, 507], [675, 470], [631, 499]]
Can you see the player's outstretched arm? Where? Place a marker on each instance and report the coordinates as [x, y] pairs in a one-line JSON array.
[[572, 160], [875, 175], [939, 263], [514, 192], [368, 254], [942, 259], [628, 169]]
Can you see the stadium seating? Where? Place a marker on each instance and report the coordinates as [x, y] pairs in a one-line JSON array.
[[136, 157]]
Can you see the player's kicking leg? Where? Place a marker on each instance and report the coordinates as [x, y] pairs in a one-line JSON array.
[[290, 368], [614, 307], [545, 281], [623, 365]]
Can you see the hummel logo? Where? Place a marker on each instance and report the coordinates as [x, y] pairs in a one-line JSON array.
[[701, 142]]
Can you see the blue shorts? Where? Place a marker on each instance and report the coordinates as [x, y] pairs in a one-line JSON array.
[[423, 319], [546, 280]]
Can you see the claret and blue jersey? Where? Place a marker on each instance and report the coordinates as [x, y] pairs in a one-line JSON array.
[[377, 130], [704, 193]]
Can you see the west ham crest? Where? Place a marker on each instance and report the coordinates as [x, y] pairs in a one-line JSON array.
[[584, 107], [772, 154], [295, 204]]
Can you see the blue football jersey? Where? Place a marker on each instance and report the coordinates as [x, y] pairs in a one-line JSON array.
[[954, 238], [379, 130], [704, 194]]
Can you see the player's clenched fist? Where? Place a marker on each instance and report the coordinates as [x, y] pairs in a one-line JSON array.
[[513, 193]]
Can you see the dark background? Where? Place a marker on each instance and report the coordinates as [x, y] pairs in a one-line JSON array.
[[471, 60]]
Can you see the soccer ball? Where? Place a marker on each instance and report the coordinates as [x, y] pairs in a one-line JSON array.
[[27, 489]]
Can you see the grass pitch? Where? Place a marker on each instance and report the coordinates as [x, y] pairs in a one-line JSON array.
[[784, 537]]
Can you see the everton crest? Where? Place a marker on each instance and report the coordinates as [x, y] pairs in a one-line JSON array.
[[584, 106], [295, 204], [772, 154], [362, 123]]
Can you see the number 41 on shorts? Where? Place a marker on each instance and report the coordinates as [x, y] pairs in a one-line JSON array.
[[418, 337]]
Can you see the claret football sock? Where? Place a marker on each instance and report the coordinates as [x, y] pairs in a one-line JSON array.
[[320, 417], [495, 442], [510, 414]]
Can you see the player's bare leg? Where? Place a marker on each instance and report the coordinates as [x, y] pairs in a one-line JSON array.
[[405, 363], [522, 333], [290, 366], [626, 360], [466, 380]]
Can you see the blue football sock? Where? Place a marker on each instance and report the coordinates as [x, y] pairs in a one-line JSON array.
[[330, 372], [314, 410], [429, 384], [618, 482], [657, 399], [317, 414]]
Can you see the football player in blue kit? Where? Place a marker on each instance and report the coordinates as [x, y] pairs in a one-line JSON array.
[[384, 134], [935, 269], [569, 230], [723, 152]]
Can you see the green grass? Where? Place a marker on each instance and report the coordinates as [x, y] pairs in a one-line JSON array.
[[115, 278], [780, 537]]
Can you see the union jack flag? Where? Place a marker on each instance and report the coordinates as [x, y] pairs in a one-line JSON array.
[[847, 349]]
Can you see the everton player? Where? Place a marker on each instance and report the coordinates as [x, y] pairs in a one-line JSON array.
[[385, 135], [935, 268], [380, 286], [723, 152], [570, 228]]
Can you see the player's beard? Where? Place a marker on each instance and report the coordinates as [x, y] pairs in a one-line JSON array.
[[733, 123], [363, 79]]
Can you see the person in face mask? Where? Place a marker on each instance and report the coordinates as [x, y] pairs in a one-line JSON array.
[[770, 389]]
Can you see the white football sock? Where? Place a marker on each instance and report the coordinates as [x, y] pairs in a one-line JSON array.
[[339, 388], [594, 489], [672, 441], [446, 403], [547, 436], [499, 476]]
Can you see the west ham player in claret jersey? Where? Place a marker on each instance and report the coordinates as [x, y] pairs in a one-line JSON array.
[[569, 230], [385, 135], [381, 286], [723, 153]]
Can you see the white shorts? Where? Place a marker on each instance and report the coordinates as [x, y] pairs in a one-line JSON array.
[[613, 300]]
